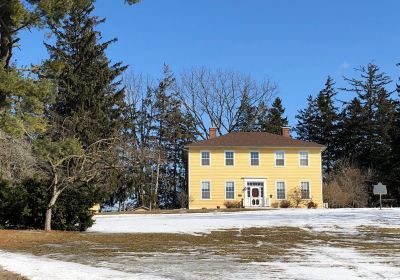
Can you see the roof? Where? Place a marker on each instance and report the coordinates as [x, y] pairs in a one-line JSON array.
[[255, 139]]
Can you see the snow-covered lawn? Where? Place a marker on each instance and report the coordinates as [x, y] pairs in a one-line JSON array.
[[277, 244], [345, 220]]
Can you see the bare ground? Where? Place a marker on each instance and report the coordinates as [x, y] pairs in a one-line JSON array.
[[6, 275]]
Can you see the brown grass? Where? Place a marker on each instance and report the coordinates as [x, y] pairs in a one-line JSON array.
[[6, 275], [251, 244]]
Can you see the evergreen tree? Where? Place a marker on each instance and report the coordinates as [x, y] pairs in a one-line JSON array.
[[307, 128], [262, 116], [86, 112], [275, 119], [378, 109], [89, 97], [352, 123], [246, 116], [327, 121]]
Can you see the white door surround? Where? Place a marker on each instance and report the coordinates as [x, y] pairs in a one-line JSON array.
[[255, 193]]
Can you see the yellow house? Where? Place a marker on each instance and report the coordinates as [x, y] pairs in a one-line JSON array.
[[258, 169]]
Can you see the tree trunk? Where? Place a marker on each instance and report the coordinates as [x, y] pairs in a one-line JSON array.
[[5, 40], [157, 179], [47, 224]]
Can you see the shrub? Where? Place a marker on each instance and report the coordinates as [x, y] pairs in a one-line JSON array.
[[312, 204], [295, 198], [275, 204], [347, 186], [24, 206], [285, 204], [232, 204]]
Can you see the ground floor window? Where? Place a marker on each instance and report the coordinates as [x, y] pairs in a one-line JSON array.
[[280, 190], [305, 190], [205, 190], [230, 190]]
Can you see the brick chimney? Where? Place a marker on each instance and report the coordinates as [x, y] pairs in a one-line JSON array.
[[286, 131], [213, 132]]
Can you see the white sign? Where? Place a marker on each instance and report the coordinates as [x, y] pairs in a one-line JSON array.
[[380, 189]]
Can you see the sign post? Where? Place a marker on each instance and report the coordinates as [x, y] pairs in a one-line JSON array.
[[380, 189]]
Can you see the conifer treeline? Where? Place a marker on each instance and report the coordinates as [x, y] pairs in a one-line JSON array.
[[363, 130]]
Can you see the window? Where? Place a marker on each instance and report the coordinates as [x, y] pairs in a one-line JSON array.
[[229, 158], [254, 158], [205, 158], [280, 158], [280, 190], [230, 190], [205, 190], [303, 158], [305, 190]]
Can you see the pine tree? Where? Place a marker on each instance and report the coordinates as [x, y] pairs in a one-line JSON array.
[[378, 113], [327, 121], [246, 119], [89, 98], [275, 119], [352, 123], [86, 112], [307, 128]]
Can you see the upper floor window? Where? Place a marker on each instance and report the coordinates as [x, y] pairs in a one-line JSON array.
[[305, 190], [229, 158], [230, 190], [280, 190], [279, 158], [205, 158], [254, 158], [303, 158], [205, 190]]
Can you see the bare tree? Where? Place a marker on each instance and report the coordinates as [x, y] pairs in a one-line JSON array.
[[16, 159], [74, 166], [347, 186], [214, 97]]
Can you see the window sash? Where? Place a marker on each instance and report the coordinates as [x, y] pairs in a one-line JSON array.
[[229, 158], [254, 158], [280, 190], [280, 159], [305, 190], [205, 190], [230, 190], [304, 158], [205, 158]]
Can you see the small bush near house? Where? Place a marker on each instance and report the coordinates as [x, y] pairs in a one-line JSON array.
[[295, 198], [275, 204], [232, 204], [312, 204], [285, 204]]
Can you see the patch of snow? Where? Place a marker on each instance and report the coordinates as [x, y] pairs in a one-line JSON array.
[[334, 220], [332, 263], [40, 268]]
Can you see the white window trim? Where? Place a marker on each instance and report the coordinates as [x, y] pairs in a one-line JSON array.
[[276, 189], [201, 162], [259, 158], [201, 189], [234, 189], [309, 188], [232, 151], [308, 158], [284, 159]]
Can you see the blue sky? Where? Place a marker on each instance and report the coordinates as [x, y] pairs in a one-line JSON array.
[[294, 43]]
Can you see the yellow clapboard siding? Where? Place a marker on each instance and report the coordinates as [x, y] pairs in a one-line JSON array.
[[217, 173]]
